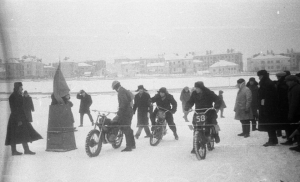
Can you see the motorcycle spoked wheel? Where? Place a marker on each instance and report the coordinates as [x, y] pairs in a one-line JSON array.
[[93, 143], [155, 137], [211, 145], [118, 140], [200, 147]]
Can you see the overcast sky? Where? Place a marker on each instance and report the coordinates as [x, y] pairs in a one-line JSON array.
[[99, 29]]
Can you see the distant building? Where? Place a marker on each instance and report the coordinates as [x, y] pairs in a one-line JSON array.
[[69, 68], [49, 71], [179, 64], [270, 62], [14, 69], [231, 56], [2, 71], [295, 59], [130, 69], [198, 65], [100, 66], [85, 69], [33, 67], [223, 67], [157, 68]]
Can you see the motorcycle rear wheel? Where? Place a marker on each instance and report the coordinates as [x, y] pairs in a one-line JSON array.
[[199, 146], [118, 140], [93, 143], [155, 137]]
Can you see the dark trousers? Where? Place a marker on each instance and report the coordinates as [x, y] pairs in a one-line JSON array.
[[169, 119], [272, 137], [222, 110], [81, 117], [140, 128], [246, 126], [25, 147], [128, 132]]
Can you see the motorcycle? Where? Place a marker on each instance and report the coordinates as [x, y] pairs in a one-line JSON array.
[[204, 131], [160, 128], [104, 132]]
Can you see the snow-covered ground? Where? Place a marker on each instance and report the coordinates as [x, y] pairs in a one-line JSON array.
[[234, 158]]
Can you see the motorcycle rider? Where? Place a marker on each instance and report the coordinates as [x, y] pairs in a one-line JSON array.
[[164, 100], [124, 115], [203, 97]]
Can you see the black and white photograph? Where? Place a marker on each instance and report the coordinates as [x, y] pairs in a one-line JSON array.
[[150, 90]]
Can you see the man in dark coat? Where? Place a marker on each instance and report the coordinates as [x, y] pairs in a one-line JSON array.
[[124, 115], [253, 86], [268, 108], [28, 106], [203, 97], [283, 104], [85, 103], [19, 129], [142, 104], [165, 101], [294, 108]]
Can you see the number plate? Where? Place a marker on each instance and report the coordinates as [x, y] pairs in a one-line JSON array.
[[200, 118]]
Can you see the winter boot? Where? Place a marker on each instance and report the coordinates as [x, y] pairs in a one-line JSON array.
[[217, 138], [14, 150], [26, 149], [127, 149], [176, 136]]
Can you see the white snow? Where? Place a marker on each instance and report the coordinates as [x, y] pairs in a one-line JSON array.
[[234, 159]]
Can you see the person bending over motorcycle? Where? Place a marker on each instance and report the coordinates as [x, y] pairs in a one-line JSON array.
[[124, 115], [204, 98], [164, 100]]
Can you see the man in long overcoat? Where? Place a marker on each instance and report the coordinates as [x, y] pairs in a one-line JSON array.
[[268, 108], [19, 129], [283, 104], [142, 104], [85, 103], [294, 108], [242, 108], [124, 115]]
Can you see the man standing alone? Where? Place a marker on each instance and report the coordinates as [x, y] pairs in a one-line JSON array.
[[85, 103]]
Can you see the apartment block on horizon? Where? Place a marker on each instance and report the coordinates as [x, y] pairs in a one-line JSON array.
[[295, 59], [231, 56], [14, 69], [69, 68], [269, 62], [33, 67], [49, 71], [223, 67], [180, 64]]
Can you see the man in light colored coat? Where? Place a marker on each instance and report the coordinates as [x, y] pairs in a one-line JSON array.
[[242, 108]]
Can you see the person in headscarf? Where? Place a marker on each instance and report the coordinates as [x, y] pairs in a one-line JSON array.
[[223, 105], [184, 97], [19, 128]]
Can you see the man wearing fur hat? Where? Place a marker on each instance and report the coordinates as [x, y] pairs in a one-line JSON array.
[[142, 104], [294, 109], [165, 101], [203, 97], [19, 129]]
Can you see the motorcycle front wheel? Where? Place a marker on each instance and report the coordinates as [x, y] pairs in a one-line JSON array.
[[93, 143], [118, 140], [155, 137], [199, 145], [211, 144]]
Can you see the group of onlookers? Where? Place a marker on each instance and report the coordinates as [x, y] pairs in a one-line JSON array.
[[274, 104]]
